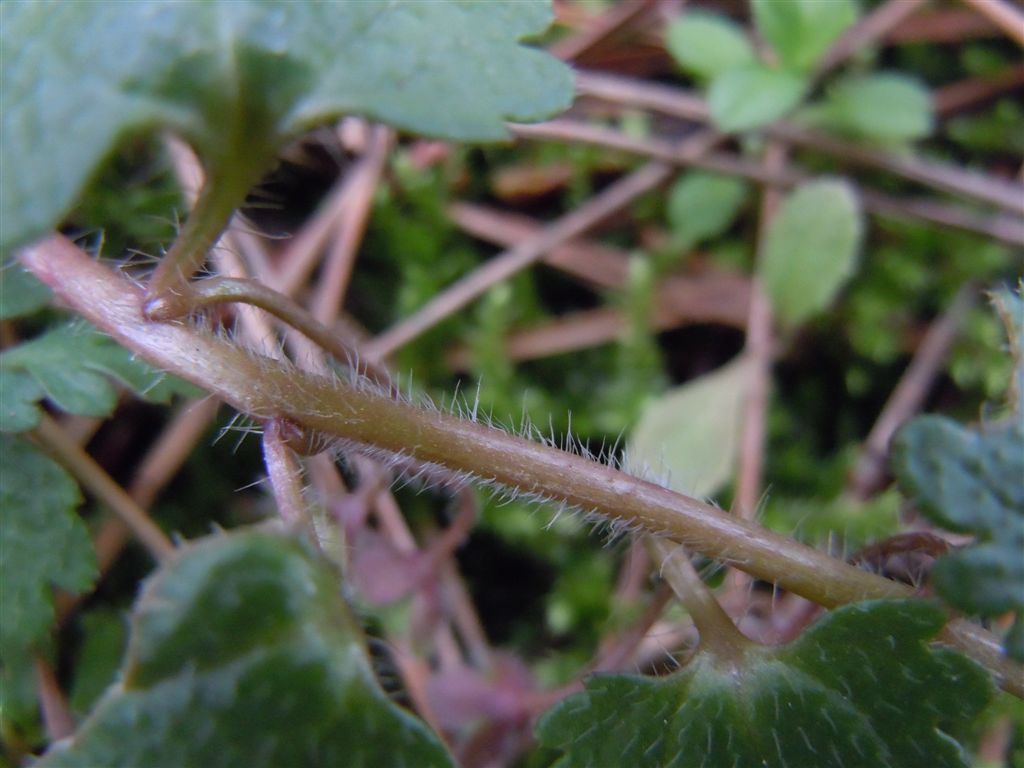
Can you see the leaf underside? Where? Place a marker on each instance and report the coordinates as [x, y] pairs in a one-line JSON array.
[[859, 689], [244, 645], [238, 78]]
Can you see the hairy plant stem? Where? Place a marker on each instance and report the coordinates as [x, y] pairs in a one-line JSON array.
[[169, 287], [221, 290], [285, 475], [266, 388]]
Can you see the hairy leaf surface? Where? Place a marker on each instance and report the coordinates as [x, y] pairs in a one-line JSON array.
[[969, 480], [238, 78], [45, 544], [811, 249], [244, 645], [74, 366], [860, 689]]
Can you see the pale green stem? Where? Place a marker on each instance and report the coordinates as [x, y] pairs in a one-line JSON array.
[[718, 635], [284, 473], [217, 202], [266, 388]]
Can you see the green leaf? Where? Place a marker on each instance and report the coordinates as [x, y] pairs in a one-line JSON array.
[[861, 688], [20, 293], [244, 645], [691, 433], [45, 544], [970, 481], [742, 99], [73, 366], [706, 44], [238, 78], [702, 206], [888, 107], [811, 249], [800, 31]]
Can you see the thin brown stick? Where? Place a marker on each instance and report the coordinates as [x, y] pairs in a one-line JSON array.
[[942, 25], [969, 92], [509, 263], [908, 396], [57, 718], [871, 28], [1009, 229], [610, 23], [718, 297], [96, 481], [682, 103], [284, 473], [334, 282], [300, 257], [758, 350], [161, 463], [1003, 15]]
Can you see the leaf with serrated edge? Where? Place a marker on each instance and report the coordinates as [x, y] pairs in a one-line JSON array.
[[970, 481], [811, 249], [238, 78], [74, 366], [690, 434], [20, 293], [859, 689], [707, 45], [45, 544], [800, 31], [243, 644], [752, 97]]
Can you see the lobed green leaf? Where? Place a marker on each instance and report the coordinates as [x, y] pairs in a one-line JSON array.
[[970, 481], [237, 78], [45, 544], [75, 367], [244, 644], [860, 689], [811, 249]]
